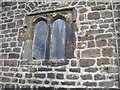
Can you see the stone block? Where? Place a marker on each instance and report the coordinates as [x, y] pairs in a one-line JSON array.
[[81, 17], [72, 77], [21, 6], [19, 23], [14, 80], [91, 53], [34, 81], [21, 81], [18, 75], [14, 69], [83, 10], [86, 77], [103, 61], [51, 75], [106, 84], [112, 70], [91, 70], [33, 69], [101, 43], [31, 5], [13, 56], [5, 79], [46, 82], [7, 50], [8, 74], [10, 63], [12, 44], [4, 45], [94, 15], [54, 82], [20, 16], [73, 63], [81, 45], [38, 75], [11, 25], [3, 26], [16, 49], [98, 8], [5, 69], [85, 38], [103, 36], [107, 52], [91, 84], [104, 25], [60, 69], [10, 13], [106, 14], [28, 75], [44, 69], [91, 44], [99, 77], [86, 62], [60, 76], [68, 83], [77, 70]]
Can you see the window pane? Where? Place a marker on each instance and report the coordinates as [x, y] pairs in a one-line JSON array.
[[40, 38], [58, 39]]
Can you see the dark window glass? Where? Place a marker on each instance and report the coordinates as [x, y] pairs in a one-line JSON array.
[[40, 38], [57, 50]]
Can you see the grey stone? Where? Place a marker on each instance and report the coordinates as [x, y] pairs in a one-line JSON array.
[[55, 83], [86, 77], [99, 77], [50, 75], [94, 15], [10, 13], [10, 63], [4, 45], [91, 44], [68, 83], [73, 63], [91, 84], [106, 84], [60, 69], [34, 81], [91, 53], [103, 36], [98, 8], [72, 76], [37, 75], [86, 62], [20, 16], [16, 49], [81, 17], [11, 25], [91, 70], [44, 69], [106, 14], [19, 75], [60, 76], [13, 56]]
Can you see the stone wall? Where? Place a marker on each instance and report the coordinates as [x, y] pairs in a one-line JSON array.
[[96, 55]]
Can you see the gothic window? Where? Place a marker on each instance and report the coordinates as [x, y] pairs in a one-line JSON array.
[[52, 36]]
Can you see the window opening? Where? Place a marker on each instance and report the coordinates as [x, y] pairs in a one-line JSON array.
[[40, 37]]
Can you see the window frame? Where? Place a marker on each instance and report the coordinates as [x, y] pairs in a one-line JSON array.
[[33, 18]]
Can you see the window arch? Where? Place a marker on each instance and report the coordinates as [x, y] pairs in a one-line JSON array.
[[40, 38]]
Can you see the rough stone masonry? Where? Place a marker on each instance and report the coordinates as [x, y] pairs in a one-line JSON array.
[[97, 50]]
